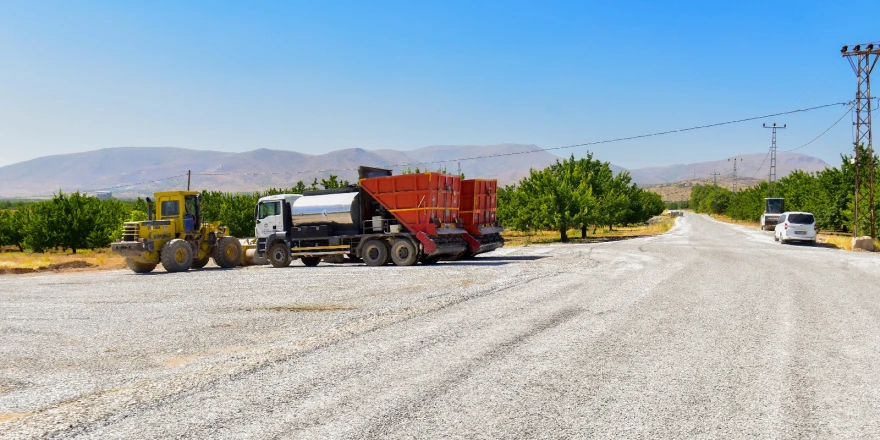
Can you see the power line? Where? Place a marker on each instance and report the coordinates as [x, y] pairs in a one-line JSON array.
[[586, 144], [823, 133]]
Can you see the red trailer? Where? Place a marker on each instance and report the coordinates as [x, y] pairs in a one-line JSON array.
[[479, 203], [402, 219]]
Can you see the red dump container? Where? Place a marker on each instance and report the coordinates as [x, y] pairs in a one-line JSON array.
[[423, 202], [479, 202]]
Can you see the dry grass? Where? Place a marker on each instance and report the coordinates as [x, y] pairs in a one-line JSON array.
[[517, 238], [727, 219], [27, 262]]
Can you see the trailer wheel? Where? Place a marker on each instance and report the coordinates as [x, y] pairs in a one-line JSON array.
[[177, 256], [375, 252], [138, 267], [278, 255], [310, 261], [403, 253], [227, 252]]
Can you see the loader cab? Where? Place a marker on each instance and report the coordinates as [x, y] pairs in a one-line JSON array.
[[182, 208], [271, 213]]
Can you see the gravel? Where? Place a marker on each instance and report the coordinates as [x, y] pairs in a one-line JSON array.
[[710, 330]]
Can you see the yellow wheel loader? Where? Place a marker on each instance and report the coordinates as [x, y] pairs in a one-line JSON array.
[[176, 237]]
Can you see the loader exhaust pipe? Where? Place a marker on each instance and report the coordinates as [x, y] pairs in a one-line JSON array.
[[149, 209]]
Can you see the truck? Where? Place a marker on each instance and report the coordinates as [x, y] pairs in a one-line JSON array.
[[773, 209], [176, 237], [403, 219]]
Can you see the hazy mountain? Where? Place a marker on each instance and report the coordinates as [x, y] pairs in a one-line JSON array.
[[133, 171], [751, 166], [128, 169]]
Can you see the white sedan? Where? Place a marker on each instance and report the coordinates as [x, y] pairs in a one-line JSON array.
[[796, 226]]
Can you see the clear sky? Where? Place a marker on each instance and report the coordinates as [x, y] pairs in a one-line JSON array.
[[316, 76]]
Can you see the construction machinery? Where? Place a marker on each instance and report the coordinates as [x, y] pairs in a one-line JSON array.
[[773, 209], [176, 237], [404, 219]]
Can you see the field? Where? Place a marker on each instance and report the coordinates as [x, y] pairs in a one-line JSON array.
[[659, 225], [15, 262]]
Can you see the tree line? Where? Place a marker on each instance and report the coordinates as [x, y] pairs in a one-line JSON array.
[[75, 221], [575, 193], [828, 194]]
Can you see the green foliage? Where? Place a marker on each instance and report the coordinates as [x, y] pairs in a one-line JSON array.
[[828, 194], [575, 193]]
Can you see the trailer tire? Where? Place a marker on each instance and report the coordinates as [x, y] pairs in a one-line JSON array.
[[310, 261], [403, 253], [278, 255], [199, 263], [177, 256], [138, 267], [375, 252], [227, 252]]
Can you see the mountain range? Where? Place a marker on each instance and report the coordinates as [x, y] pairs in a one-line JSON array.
[[134, 171]]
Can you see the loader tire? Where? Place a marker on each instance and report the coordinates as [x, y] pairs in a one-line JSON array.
[[199, 263], [278, 255], [227, 252], [404, 253], [310, 261], [375, 252], [138, 267], [177, 256]]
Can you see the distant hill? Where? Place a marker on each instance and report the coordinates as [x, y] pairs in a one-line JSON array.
[[134, 171], [247, 171], [748, 167], [680, 191]]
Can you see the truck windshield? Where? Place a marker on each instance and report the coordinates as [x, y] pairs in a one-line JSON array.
[[801, 219], [269, 209], [774, 206]]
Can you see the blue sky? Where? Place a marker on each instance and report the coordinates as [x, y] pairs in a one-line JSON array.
[[321, 76]]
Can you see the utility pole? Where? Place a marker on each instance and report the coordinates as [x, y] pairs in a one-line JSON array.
[[734, 173], [188, 178], [772, 158], [863, 58], [715, 191]]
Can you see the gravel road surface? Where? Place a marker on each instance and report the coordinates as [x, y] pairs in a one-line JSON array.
[[708, 331]]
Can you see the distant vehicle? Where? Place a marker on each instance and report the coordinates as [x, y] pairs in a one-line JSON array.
[[796, 226], [773, 208]]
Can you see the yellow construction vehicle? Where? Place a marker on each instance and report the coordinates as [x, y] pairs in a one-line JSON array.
[[176, 237]]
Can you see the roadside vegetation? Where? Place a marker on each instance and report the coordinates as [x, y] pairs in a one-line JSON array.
[[582, 195], [657, 225], [828, 194]]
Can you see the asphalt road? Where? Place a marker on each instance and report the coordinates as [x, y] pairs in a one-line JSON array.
[[708, 331]]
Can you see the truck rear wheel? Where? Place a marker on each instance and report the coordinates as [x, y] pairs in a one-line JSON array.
[[375, 252], [278, 255], [177, 256], [138, 267], [310, 261], [227, 252], [403, 253]]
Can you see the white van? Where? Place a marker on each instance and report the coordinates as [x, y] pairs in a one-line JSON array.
[[796, 226]]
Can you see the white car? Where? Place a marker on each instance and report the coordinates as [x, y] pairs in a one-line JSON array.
[[796, 226]]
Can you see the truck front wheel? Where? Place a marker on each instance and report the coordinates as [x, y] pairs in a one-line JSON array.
[[375, 252], [278, 255]]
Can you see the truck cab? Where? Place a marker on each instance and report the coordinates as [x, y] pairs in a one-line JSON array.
[[773, 209], [271, 213]]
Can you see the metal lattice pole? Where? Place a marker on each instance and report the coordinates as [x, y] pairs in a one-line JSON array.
[[734, 173], [772, 159], [863, 58]]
